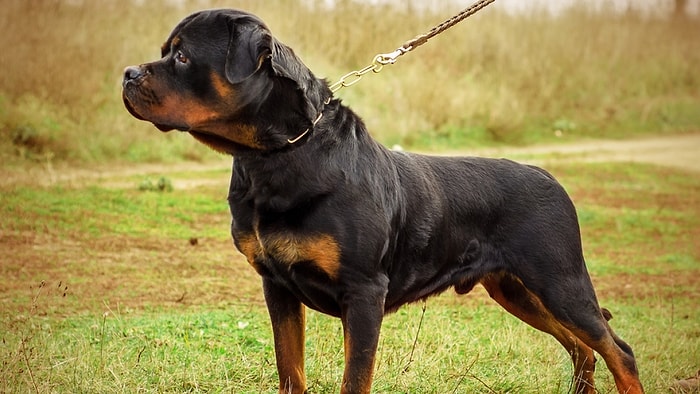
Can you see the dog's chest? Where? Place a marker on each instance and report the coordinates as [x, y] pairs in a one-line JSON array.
[[280, 252]]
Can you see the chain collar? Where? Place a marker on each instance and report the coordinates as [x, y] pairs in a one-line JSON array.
[[294, 140]]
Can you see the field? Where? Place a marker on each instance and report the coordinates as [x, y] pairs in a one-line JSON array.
[[494, 79], [125, 280], [117, 271]]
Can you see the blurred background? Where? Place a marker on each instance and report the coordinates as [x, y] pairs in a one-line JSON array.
[[517, 73]]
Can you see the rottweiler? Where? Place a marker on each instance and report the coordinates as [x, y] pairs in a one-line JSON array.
[[334, 221]]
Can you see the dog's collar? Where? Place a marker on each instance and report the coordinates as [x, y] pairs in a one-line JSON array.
[[296, 139], [300, 136]]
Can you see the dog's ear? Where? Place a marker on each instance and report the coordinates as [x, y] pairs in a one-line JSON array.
[[286, 64], [312, 90], [252, 48], [250, 44]]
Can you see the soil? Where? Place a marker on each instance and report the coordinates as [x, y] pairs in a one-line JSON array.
[[679, 151]]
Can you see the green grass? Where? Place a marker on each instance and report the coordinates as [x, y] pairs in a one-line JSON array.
[[633, 203], [101, 292], [466, 347], [494, 79], [95, 211]]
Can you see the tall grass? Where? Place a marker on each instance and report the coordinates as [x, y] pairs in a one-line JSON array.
[[496, 78]]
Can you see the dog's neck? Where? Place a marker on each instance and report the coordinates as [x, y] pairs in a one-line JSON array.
[[312, 94], [289, 122], [305, 133]]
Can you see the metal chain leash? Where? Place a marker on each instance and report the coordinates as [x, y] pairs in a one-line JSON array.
[[383, 59]]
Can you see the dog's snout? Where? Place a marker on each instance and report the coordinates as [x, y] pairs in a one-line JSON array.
[[132, 73]]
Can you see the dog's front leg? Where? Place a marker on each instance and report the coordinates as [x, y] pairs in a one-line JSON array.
[[362, 315], [288, 322]]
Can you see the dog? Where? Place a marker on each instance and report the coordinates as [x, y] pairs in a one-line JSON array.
[[334, 221]]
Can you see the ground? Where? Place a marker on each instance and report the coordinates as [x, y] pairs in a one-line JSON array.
[[168, 271], [51, 270]]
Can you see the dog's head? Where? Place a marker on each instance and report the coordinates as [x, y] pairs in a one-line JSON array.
[[224, 79]]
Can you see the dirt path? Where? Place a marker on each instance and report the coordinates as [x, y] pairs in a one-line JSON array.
[[678, 151]]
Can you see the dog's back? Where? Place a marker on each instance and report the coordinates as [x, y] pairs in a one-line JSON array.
[[464, 217]]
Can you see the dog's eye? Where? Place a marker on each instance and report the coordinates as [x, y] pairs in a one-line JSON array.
[[181, 58]]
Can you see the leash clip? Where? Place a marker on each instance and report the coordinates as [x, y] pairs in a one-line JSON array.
[[390, 58]]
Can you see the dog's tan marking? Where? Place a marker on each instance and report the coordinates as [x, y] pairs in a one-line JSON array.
[[166, 45], [218, 137], [249, 245], [222, 87], [321, 250], [197, 114], [177, 109]]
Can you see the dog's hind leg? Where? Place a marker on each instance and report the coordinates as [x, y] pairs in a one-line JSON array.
[[576, 322], [618, 357], [573, 303], [512, 295]]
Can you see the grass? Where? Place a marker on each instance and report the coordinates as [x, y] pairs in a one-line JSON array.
[[462, 347], [136, 212], [633, 203], [494, 79], [103, 292]]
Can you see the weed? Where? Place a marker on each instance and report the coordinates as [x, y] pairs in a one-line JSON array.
[[24, 341], [162, 185]]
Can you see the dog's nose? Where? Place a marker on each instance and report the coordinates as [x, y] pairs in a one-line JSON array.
[[132, 73]]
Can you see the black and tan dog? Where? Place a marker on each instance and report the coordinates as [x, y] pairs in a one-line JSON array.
[[334, 221]]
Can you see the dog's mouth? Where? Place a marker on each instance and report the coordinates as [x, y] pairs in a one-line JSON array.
[[160, 126], [130, 107]]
